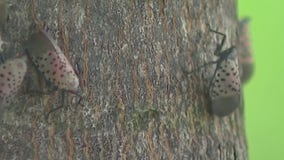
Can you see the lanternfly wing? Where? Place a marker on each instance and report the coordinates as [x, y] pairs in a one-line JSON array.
[[12, 74], [225, 87], [57, 69], [50, 60], [226, 81]]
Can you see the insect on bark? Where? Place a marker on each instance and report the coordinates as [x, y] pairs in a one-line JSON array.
[[224, 86], [51, 62], [48, 58]]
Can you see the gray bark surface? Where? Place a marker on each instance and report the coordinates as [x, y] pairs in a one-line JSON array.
[[137, 102]]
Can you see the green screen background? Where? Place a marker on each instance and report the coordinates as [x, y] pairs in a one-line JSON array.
[[264, 110]]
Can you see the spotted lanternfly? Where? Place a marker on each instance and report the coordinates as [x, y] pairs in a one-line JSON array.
[[224, 87], [50, 60], [12, 74], [245, 52]]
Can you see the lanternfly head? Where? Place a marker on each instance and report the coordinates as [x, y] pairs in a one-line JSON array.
[[49, 59]]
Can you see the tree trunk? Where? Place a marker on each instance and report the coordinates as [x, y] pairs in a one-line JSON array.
[[137, 102]]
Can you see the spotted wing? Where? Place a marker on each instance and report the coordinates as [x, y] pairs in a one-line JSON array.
[[57, 69], [12, 74], [226, 81]]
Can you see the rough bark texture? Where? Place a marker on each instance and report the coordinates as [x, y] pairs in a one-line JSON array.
[[137, 104]]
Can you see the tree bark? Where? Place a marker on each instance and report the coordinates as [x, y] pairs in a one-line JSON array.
[[137, 102]]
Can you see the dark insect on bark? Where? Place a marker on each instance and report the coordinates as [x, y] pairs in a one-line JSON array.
[[224, 86]]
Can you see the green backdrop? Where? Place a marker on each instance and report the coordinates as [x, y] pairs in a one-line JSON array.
[[264, 110]]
